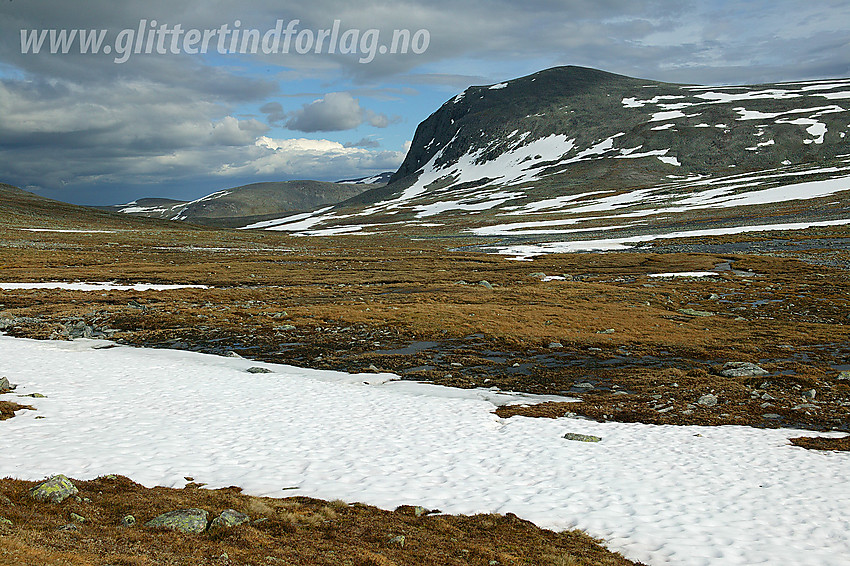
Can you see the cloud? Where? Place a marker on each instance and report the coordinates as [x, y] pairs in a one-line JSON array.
[[363, 142], [335, 112], [81, 120], [274, 112]]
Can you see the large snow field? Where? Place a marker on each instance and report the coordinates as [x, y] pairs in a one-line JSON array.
[[660, 494]]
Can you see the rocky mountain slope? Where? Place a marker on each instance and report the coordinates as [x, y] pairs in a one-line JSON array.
[[236, 206], [565, 149]]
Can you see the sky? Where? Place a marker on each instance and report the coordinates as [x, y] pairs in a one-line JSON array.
[[157, 116]]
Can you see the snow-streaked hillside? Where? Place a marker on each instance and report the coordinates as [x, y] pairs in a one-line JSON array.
[[573, 151]]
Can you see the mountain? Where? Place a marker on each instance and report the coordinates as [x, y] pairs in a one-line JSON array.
[[247, 203], [21, 209], [568, 147], [379, 179]]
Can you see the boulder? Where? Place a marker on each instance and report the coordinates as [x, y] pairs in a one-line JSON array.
[[55, 490], [183, 520], [229, 518], [742, 369], [707, 400]]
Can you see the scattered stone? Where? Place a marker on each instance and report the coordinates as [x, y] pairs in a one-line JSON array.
[[232, 354], [5, 386], [692, 312], [128, 521], [810, 394], [184, 521], [284, 328], [772, 416], [399, 540], [77, 518], [713, 297], [35, 396], [844, 376], [373, 368], [419, 511], [68, 527], [707, 400], [4, 522], [229, 518], [555, 345], [607, 331], [538, 275], [582, 437], [583, 385], [258, 370], [804, 406], [485, 284], [742, 369], [55, 490]]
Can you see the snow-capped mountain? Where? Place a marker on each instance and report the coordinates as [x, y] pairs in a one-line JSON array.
[[565, 148], [379, 179], [243, 204]]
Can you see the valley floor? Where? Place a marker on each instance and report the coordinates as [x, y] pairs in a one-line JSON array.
[[634, 340]]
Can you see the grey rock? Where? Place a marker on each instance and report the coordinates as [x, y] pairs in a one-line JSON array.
[[583, 385], [128, 521], [485, 284], [555, 345], [538, 275], [810, 394], [233, 354], [183, 520], [4, 522], [707, 400], [742, 369], [606, 331], [772, 416], [284, 328], [229, 518], [258, 370], [582, 437], [692, 312], [399, 540], [844, 376], [5, 385], [55, 490], [77, 518]]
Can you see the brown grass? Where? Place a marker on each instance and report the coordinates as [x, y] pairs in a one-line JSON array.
[[8, 409], [820, 443], [348, 299], [283, 531]]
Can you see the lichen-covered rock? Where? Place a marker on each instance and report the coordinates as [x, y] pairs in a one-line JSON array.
[[742, 369], [229, 518], [55, 490], [5, 385], [128, 521], [77, 518], [183, 520], [707, 400], [582, 437]]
